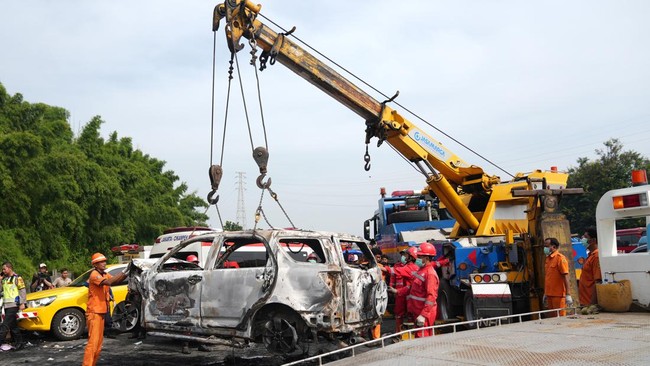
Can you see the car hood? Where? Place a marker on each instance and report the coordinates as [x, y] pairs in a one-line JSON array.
[[55, 292]]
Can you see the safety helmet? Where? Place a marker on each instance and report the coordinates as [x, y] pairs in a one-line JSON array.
[[97, 257], [192, 258], [353, 258], [427, 249], [312, 256], [413, 252]]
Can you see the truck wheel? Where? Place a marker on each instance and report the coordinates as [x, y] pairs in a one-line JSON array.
[[68, 324], [469, 308], [125, 316], [446, 310]]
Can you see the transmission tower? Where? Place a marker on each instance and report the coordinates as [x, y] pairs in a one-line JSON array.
[[241, 210]]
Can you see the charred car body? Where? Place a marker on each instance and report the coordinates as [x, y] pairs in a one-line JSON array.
[[286, 288]]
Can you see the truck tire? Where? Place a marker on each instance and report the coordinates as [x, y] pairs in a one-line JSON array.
[[446, 309], [469, 309], [407, 216], [68, 324]]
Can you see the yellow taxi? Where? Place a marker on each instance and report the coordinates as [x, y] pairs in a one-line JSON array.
[[62, 310]]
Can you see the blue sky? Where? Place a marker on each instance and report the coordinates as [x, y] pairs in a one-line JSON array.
[[528, 85]]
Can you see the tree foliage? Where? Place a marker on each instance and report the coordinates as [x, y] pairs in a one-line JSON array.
[[65, 197], [611, 170], [232, 226]]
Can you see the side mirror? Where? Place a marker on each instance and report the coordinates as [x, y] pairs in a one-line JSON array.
[[366, 230]]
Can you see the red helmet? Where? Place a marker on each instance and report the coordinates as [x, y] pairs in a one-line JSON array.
[[427, 249], [413, 252], [192, 258], [312, 256]]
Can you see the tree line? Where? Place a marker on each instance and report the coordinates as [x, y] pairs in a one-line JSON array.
[[65, 196]]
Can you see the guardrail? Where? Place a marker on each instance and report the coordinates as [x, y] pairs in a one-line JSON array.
[[486, 322]]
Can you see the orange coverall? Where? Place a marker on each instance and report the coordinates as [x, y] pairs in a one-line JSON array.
[[555, 267], [422, 297], [590, 274], [98, 303]]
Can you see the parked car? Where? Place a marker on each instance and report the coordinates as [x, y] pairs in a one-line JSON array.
[[62, 310], [274, 295]]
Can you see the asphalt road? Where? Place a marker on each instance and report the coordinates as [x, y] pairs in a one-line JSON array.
[[45, 350]]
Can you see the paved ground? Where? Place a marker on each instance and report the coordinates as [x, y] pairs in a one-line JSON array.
[[154, 351]]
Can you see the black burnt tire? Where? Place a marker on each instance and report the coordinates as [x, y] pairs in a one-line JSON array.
[[68, 324], [279, 336], [407, 216], [125, 316]]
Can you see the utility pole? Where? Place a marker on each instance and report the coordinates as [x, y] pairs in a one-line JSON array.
[[241, 210]]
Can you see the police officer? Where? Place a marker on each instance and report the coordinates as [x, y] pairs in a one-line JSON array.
[[14, 296]]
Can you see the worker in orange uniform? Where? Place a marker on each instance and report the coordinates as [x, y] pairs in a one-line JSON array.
[[99, 283], [590, 269], [401, 277], [556, 278], [421, 300]]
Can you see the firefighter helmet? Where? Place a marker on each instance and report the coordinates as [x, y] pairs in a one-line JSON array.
[[192, 258], [413, 252], [427, 249], [97, 257]]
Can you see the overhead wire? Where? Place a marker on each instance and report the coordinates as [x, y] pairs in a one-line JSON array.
[[389, 97]]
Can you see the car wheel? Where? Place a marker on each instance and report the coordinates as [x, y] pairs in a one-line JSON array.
[[68, 324], [381, 298], [125, 316], [279, 336]]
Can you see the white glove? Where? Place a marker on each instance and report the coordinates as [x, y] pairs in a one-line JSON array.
[[392, 290], [420, 321], [569, 300], [126, 269], [545, 301]]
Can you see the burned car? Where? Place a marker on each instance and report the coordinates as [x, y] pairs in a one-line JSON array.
[[288, 289]]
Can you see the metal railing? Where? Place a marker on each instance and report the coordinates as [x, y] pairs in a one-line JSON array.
[[486, 322]]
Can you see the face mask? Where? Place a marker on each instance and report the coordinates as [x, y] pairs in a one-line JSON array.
[[311, 260], [419, 263], [547, 251], [403, 259], [584, 242]]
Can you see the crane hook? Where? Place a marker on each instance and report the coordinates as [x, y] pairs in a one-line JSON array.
[[261, 184], [366, 158], [215, 172]]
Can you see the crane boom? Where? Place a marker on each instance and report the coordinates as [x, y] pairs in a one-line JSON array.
[[472, 196]]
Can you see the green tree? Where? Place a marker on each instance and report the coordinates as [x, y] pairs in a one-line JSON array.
[[611, 170], [231, 226], [65, 197]]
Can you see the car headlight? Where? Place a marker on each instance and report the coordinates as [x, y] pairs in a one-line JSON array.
[[40, 302]]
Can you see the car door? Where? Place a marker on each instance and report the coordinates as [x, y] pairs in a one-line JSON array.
[[240, 279], [174, 289], [365, 291]]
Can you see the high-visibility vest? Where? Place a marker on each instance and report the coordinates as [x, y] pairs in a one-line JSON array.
[[10, 288]]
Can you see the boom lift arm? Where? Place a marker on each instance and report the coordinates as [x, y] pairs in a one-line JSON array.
[[465, 190]]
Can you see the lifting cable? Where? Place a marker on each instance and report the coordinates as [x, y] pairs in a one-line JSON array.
[[260, 154], [387, 97], [215, 171]]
